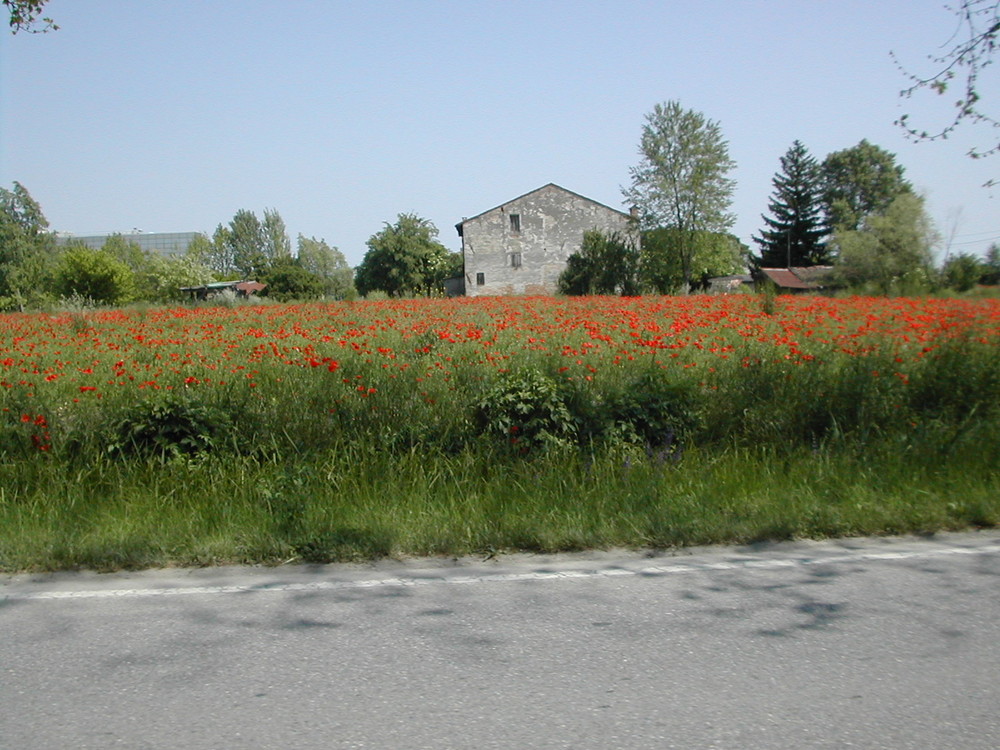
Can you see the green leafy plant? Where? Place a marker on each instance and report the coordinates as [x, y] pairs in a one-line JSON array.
[[660, 412], [526, 410], [170, 428]]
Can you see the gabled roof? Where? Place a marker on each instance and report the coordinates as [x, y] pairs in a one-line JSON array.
[[530, 192], [797, 278]]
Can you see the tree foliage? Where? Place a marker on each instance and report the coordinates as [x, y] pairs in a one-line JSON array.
[[682, 180], [162, 277], [713, 254], [405, 259], [94, 275], [991, 266], [793, 233], [215, 253], [971, 50], [891, 252], [859, 181], [288, 280], [27, 248], [277, 246], [25, 15], [605, 264], [963, 271], [248, 244], [329, 264]]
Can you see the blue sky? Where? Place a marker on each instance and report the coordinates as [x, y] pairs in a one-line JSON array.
[[171, 116]]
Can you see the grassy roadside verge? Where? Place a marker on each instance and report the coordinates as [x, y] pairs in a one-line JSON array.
[[340, 509]]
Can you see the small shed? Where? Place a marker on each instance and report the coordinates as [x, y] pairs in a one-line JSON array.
[[799, 279], [243, 288]]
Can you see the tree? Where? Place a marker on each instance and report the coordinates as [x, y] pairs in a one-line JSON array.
[[681, 181], [329, 264], [247, 243], [405, 259], [27, 249], [793, 234], [962, 272], [891, 251], [288, 280], [976, 35], [859, 181], [277, 246], [215, 253], [605, 264], [162, 278], [24, 14], [94, 275], [127, 251], [715, 254], [991, 266]]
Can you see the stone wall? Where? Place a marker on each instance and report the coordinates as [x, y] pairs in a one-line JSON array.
[[521, 247]]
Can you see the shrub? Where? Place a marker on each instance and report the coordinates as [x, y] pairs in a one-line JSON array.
[[170, 428], [657, 410], [526, 410]]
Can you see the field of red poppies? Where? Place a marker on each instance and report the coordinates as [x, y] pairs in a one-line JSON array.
[[652, 383]]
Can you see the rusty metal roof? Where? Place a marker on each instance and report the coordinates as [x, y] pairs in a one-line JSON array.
[[784, 277]]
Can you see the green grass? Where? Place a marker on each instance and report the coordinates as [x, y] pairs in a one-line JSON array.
[[347, 506]]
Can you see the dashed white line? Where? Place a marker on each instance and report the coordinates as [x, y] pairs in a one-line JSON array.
[[541, 575]]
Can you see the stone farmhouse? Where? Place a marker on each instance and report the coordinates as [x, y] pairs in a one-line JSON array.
[[521, 246]]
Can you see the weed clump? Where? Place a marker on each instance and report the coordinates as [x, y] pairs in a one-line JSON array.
[[170, 428]]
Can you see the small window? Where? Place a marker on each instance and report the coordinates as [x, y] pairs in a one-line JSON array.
[[515, 222], [480, 279], [515, 260]]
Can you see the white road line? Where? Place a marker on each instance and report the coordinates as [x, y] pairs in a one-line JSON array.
[[543, 575]]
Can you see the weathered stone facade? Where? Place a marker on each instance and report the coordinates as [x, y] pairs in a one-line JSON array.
[[521, 246]]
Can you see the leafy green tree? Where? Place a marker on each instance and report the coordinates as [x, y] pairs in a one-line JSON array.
[[605, 264], [405, 259], [27, 249], [127, 251], [891, 252], [329, 264], [715, 254], [248, 244], [94, 275], [682, 180], [201, 250], [277, 246], [162, 277], [793, 234], [253, 245], [962, 272], [973, 44], [288, 280], [215, 253], [858, 181]]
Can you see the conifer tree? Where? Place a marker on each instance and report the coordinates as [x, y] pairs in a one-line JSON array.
[[793, 234]]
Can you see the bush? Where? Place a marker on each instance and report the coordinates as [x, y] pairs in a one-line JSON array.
[[658, 411], [170, 428], [94, 275], [526, 410]]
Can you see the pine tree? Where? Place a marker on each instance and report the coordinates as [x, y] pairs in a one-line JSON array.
[[793, 234]]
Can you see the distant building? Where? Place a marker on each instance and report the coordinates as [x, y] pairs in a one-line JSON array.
[[521, 246], [161, 243], [244, 288], [799, 279]]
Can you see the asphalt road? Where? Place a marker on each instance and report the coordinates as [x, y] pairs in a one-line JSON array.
[[853, 644]]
